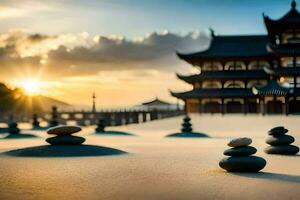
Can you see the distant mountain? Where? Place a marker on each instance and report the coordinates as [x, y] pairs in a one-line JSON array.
[[17, 102], [47, 102]]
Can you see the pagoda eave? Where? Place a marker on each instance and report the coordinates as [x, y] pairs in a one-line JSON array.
[[284, 71], [271, 89], [215, 93], [226, 75], [289, 50]]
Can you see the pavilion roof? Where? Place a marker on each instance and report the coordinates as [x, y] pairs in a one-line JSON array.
[[231, 47], [156, 101], [272, 88], [215, 92], [226, 75], [290, 20], [292, 16]]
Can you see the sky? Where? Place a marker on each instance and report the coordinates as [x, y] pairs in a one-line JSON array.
[[123, 50]]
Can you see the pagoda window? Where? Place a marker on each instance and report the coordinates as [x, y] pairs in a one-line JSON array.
[[212, 66], [235, 66], [289, 61], [234, 84], [289, 82], [291, 37], [257, 65], [253, 83], [206, 100], [228, 100], [212, 84], [298, 82]]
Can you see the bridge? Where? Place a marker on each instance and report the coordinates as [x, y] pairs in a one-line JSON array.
[[111, 117]]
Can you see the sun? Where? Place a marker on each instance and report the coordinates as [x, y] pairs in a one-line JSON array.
[[31, 86]]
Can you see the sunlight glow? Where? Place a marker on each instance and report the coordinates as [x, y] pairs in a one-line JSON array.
[[31, 86]]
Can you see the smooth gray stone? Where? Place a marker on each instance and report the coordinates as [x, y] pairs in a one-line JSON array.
[[240, 151], [280, 140], [282, 149], [65, 140], [240, 142], [280, 130], [243, 164]]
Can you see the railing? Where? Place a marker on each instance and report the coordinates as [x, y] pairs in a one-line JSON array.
[[111, 117]]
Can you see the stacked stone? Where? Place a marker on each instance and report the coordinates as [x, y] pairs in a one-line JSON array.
[[101, 126], [241, 157], [64, 135], [186, 125], [280, 142], [35, 122], [54, 117], [13, 126]]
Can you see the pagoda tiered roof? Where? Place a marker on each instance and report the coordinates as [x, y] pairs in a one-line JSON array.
[[291, 20], [247, 47], [226, 75], [214, 92], [272, 88]]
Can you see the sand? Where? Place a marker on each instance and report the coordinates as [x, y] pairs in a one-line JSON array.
[[156, 167]]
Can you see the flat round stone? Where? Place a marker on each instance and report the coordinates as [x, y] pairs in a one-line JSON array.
[[65, 140], [280, 140], [282, 149], [240, 151], [243, 164], [63, 130], [279, 130], [240, 142]]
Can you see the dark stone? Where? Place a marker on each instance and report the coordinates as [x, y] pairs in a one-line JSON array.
[[63, 130], [35, 121], [186, 129], [186, 125], [240, 151], [101, 126], [280, 130], [243, 164], [54, 117], [65, 140], [186, 119], [280, 140], [282, 149], [14, 130]]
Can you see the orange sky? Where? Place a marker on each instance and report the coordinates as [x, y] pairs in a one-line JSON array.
[[122, 72]]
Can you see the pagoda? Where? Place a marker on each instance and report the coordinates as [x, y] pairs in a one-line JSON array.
[[247, 73]]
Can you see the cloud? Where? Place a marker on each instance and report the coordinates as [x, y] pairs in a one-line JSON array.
[[15, 9], [82, 54]]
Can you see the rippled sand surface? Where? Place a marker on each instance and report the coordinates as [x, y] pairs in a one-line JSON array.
[[155, 167]]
